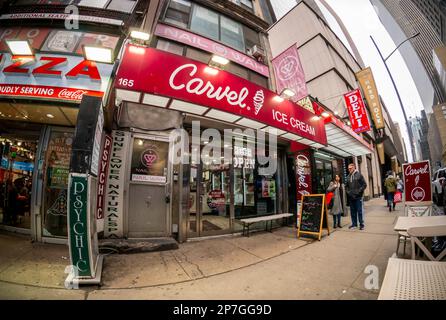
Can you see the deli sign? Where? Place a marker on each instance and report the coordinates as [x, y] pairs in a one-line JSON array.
[[157, 72], [55, 77], [417, 182], [357, 111]]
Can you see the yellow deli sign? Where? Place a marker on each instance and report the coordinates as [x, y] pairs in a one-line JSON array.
[[367, 82]]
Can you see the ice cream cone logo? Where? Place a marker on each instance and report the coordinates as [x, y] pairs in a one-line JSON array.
[[259, 99]]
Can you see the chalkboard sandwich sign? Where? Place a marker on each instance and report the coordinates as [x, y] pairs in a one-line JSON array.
[[313, 215]]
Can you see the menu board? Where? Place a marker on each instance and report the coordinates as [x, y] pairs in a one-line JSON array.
[[313, 215]]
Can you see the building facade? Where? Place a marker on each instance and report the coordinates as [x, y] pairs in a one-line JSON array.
[[440, 119], [204, 194], [329, 72], [411, 20], [40, 99], [435, 12]]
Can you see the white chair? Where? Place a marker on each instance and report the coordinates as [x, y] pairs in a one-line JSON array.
[[402, 237], [416, 233], [414, 211]]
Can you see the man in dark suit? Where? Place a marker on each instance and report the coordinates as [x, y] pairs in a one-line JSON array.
[[355, 187]]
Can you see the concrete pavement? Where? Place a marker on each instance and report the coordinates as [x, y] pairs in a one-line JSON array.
[[266, 265]]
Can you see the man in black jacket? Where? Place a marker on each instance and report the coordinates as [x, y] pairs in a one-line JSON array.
[[355, 187]]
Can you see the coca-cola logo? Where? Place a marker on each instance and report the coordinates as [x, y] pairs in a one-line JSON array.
[[149, 157], [418, 194], [302, 163], [71, 94]]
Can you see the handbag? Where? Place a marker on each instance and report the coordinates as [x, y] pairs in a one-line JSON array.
[[330, 199], [398, 197]]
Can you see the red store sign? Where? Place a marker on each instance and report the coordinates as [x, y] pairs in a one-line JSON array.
[[356, 111], [303, 174], [157, 72], [64, 78], [417, 182]]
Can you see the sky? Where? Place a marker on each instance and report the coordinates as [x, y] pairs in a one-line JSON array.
[[361, 20]]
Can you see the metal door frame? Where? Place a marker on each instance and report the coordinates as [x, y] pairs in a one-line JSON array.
[[40, 184], [199, 213], [158, 136]]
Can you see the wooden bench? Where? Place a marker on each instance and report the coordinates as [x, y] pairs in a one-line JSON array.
[[414, 280], [247, 222]]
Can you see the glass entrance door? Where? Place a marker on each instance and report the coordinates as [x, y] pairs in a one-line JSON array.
[[55, 165], [210, 198]]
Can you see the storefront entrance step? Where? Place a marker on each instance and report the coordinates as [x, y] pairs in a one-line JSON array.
[[126, 246]]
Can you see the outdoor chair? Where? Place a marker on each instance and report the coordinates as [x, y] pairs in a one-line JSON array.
[[416, 233]]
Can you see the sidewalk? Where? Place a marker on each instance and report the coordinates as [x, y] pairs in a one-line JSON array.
[[266, 265]]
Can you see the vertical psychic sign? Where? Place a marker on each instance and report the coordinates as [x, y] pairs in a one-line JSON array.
[[102, 176]]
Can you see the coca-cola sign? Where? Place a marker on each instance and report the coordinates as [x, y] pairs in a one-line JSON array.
[[157, 72], [303, 174], [417, 182]]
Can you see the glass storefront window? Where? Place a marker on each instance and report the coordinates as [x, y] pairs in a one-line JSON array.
[[178, 13], [57, 167], [122, 5], [205, 21], [16, 170], [232, 33], [169, 47]]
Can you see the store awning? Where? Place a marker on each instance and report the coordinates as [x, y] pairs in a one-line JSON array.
[[343, 141], [148, 76]]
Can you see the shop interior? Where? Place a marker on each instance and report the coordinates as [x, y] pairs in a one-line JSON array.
[[18, 150], [24, 127]]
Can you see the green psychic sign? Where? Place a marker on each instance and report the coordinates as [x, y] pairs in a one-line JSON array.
[[78, 224]]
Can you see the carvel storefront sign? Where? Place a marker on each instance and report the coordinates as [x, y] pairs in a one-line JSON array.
[[55, 77], [152, 71]]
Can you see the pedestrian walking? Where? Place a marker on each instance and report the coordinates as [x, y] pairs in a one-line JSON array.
[[355, 187], [384, 190], [337, 204], [399, 184], [391, 186]]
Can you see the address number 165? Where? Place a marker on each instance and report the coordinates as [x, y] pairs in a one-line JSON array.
[[125, 82]]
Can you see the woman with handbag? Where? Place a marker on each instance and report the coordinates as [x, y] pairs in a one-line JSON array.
[[336, 204]]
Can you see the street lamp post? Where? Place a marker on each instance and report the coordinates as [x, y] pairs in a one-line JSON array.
[[409, 130]]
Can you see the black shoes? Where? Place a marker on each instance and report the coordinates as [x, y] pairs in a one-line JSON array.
[[361, 227]]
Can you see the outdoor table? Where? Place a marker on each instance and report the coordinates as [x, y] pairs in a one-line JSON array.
[[405, 223]]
